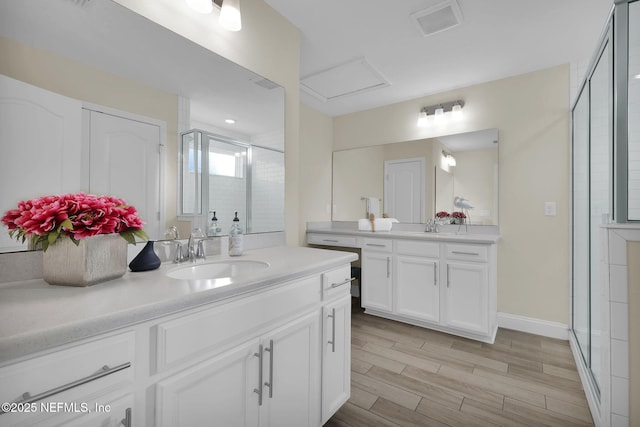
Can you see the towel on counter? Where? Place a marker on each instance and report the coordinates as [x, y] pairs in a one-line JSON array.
[[373, 206], [381, 224]]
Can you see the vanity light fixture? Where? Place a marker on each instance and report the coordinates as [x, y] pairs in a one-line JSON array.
[[230, 18], [448, 157], [229, 121], [439, 110]]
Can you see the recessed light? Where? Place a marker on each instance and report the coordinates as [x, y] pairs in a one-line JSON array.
[[637, 77], [230, 121]]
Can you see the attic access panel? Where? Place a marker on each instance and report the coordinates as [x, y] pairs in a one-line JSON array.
[[346, 79]]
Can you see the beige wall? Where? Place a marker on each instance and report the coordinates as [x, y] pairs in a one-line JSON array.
[[531, 112], [316, 135], [268, 45], [633, 255]]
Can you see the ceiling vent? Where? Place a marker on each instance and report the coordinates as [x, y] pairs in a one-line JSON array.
[[352, 77], [441, 17]]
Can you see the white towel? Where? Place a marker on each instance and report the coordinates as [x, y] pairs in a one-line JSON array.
[[373, 206], [381, 224]]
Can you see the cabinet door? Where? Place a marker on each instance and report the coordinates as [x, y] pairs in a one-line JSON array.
[[376, 280], [417, 291], [219, 391], [336, 356], [115, 413], [291, 375], [467, 296]]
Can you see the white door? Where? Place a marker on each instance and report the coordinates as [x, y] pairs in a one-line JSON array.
[[467, 297], [219, 391], [125, 162], [34, 120], [336, 356], [291, 367], [404, 189], [417, 290]]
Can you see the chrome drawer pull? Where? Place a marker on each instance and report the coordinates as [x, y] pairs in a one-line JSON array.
[[464, 253], [103, 372], [377, 245], [331, 241], [270, 383], [126, 421], [258, 390], [337, 285], [333, 330]]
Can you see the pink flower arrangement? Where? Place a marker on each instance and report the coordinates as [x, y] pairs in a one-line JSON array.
[[442, 214], [76, 216], [458, 215]]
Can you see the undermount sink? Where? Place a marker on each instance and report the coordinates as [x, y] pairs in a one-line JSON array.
[[217, 269]]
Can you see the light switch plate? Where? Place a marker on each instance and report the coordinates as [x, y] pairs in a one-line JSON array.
[[550, 208]]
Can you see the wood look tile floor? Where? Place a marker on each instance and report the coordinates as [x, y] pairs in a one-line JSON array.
[[404, 375]]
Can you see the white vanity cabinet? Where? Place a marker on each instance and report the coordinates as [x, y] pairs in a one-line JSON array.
[[277, 354], [88, 383], [377, 290], [336, 339], [269, 381], [448, 286], [417, 271]]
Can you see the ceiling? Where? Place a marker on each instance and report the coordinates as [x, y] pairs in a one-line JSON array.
[[495, 39]]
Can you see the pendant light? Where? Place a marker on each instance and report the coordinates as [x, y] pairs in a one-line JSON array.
[[230, 18]]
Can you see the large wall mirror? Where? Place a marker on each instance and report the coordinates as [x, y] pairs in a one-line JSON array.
[[359, 174], [134, 58]]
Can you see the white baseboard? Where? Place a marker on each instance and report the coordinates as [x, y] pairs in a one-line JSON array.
[[533, 326]]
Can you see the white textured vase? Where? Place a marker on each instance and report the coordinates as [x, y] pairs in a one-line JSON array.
[[96, 259]]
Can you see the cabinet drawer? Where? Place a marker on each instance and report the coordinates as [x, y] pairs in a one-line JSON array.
[[332, 240], [468, 252], [69, 375], [417, 248], [212, 330], [380, 245], [336, 282]]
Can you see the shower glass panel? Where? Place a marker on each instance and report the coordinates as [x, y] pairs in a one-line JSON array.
[[634, 112], [601, 187], [267, 201], [580, 301]]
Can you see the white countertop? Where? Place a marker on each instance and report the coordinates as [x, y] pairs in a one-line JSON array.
[[35, 315], [453, 236]]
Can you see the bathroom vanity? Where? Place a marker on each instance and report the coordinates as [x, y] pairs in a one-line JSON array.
[[270, 346], [443, 281]]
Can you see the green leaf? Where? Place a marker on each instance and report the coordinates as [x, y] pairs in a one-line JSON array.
[[128, 236], [45, 245], [141, 234], [66, 224], [52, 237]]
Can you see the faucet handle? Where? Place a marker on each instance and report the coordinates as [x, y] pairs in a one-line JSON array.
[[200, 253], [179, 257]]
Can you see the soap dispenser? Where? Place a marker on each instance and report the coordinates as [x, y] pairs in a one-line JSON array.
[[213, 229], [235, 238]]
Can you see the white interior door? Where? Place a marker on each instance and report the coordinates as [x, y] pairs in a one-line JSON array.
[[404, 189], [34, 120], [125, 162]]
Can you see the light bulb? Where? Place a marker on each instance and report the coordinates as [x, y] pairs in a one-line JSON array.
[[230, 18], [451, 160], [201, 6], [422, 119], [439, 114], [456, 111]]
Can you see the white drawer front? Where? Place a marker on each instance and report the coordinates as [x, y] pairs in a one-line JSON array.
[[332, 240], [336, 282], [380, 245], [468, 252], [417, 248], [214, 329], [70, 375]]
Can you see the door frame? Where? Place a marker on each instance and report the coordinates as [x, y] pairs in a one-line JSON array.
[[86, 135]]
